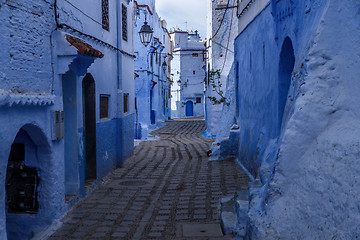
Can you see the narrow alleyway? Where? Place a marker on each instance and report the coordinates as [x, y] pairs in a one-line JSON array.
[[167, 190]]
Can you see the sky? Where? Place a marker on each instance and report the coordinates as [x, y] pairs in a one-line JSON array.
[[178, 12]]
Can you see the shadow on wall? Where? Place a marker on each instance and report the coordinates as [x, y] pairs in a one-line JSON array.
[[286, 66]]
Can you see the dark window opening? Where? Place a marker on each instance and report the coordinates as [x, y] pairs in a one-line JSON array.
[[17, 153], [126, 103], [105, 14], [124, 22], [104, 106], [194, 72], [198, 100]]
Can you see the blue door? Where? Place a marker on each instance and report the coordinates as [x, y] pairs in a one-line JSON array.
[[189, 109]]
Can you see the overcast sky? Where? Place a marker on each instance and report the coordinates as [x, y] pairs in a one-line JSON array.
[[177, 12]]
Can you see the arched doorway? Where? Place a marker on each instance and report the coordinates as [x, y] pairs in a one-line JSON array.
[[89, 126], [29, 184], [189, 109], [286, 66]]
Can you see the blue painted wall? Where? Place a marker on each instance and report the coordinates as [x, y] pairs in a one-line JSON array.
[[257, 51], [126, 138], [299, 142], [106, 146]]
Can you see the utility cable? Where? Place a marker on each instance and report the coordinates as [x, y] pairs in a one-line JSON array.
[[223, 18], [83, 12], [228, 42]]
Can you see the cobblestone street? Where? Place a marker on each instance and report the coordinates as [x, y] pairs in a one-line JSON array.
[[167, 190]]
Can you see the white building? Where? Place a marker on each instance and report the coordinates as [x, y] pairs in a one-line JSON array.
[[188, 70], [222, 28], [152, 75]]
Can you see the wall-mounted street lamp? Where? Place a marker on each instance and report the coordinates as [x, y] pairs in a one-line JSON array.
[[178, 82], [164, 66], [145, 33]]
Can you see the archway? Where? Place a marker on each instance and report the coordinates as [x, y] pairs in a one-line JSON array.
[[286, 66], [28, 184], [189, 109], [89, 126]]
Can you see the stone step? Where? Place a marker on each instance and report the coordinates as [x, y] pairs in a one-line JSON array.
[[233, 214]]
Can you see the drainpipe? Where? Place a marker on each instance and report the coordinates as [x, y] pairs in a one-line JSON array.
[[118, 44], [152, 89], [119, 84]]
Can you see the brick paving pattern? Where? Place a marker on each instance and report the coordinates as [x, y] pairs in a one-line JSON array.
[[167, 181]]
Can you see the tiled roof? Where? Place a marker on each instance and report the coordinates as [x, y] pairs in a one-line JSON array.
[[84, 47]]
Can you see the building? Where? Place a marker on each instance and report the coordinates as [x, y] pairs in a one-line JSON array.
[[296, 71], [152, 71], [222, 28], [67, 111], [188, 70]]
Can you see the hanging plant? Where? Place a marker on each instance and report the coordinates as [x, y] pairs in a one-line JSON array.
[[214, 77]]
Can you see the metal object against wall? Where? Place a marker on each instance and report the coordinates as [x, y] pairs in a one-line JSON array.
[[21, 183], [58, 118]]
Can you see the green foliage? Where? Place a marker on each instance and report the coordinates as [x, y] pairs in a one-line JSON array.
[[214, 77]]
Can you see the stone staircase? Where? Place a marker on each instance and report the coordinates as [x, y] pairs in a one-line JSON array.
[[235, 211], [233, 214]]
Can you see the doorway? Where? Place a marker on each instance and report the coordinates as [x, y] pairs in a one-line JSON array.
[[189, 109], [89, 127], [286, 66]]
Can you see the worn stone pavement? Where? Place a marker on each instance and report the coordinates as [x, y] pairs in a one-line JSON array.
[[163, 191]]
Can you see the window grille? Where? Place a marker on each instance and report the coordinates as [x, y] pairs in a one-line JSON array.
[[105, 14], [198, 100], [124, 22], [104, 106]]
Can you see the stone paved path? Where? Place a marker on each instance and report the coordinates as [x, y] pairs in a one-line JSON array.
[[166, 184]]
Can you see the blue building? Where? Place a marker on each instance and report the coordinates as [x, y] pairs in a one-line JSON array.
[[296, 94], [152, 71], [66, 103]]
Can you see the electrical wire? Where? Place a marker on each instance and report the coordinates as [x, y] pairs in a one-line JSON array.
[[227, 46], [83, 12], [223, 18]]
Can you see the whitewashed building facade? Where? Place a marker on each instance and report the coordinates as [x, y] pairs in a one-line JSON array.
[[188, 71]]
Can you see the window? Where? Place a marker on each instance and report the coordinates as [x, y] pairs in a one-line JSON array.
[[104, 106], [194, 72], [105, 14], [126, 102], [124, 22], [195, 54], [198, 100]]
